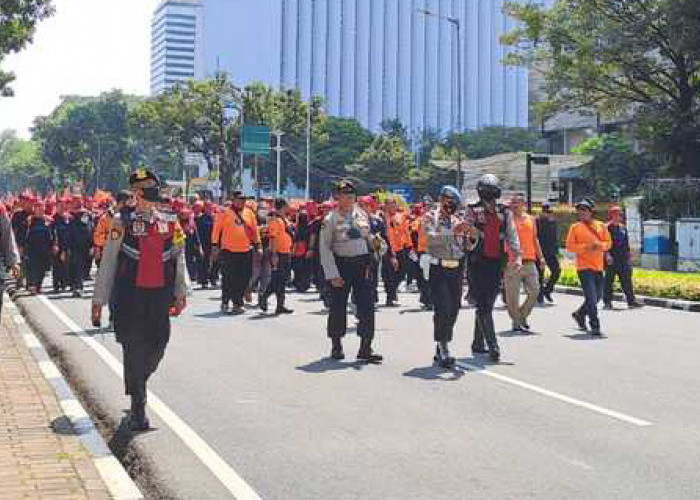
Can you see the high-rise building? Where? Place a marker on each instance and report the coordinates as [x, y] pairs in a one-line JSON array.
[[177, 51], [376, 59]]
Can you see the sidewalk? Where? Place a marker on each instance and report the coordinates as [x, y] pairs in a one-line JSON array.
[[42, 454]]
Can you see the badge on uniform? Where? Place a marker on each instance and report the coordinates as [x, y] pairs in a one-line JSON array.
[[85, 219], [162, 227], [139, 228]]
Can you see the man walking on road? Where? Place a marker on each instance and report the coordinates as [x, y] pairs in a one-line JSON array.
[[143, 266], [234, 237], [617, 261], [548, 234], [344, 246], [281, 242], [487, 257], [526, 274], [589, 239]]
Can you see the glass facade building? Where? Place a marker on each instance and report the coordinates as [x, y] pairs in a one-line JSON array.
[[176, 43], [375, 59]]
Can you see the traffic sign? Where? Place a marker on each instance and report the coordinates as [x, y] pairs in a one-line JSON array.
[[255, 140]]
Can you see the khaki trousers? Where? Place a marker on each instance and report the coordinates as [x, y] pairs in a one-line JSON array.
[[528, 276]]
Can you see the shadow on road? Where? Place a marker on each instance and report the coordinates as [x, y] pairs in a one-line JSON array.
[[330, 365], [481, 362], [513, 333], [435, 373], [212, 315], [414, 311], [585, 336]]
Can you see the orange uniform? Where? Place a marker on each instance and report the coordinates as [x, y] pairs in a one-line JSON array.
[[398, 232], [527, 234], [104, 224], [419, 229], [236, 232], [280, 237], [582, 236]]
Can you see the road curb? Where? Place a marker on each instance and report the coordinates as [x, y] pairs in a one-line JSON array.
[[115, 477], [682, 305]]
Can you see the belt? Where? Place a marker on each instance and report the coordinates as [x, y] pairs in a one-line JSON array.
[[529, 261], [446, 263]]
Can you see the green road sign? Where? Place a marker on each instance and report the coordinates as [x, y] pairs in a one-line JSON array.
[[256, 141]]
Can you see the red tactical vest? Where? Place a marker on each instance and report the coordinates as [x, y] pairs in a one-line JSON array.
[[147, 254]]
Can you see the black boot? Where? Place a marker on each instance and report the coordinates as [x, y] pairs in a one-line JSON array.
[[138, 420], [337, 349], [365, 353], [442, 355]]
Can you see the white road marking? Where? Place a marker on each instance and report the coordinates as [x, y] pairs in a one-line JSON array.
[[555, 395], [31, 340], [19, 319], [228, 477], [73, 409], [120, 485]]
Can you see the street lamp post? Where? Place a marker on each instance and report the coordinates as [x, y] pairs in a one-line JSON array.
[[279, 150], [308, 151], [457, 25]]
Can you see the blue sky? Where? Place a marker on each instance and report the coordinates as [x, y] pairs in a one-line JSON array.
[[87, 47]]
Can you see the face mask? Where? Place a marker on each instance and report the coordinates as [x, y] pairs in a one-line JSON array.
[[151, 194]]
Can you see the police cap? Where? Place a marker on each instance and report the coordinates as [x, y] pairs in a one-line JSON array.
[[345, 186], [142, 176]]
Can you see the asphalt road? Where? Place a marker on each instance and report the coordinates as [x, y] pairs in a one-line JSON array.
[[564, 415]]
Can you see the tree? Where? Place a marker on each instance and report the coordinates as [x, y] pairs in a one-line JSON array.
[[616, 170], [428, 140], [22, 165], [18, 20], [393, 127], [628, 58], [490, 141], [386, 161]]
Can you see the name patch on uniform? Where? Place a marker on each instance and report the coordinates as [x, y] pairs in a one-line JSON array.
[[139, 228], [162, 227]]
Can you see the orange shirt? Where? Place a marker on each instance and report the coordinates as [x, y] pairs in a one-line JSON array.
[[422, 235], [527, 234], [235, 232], [581, 237], [398, 232], [280, 239], [104, 224]]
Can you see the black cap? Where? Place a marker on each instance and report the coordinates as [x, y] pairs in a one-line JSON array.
[[587, 204], [143, 175], [238, 194], [280, 203], [345, 187], [123, 196]]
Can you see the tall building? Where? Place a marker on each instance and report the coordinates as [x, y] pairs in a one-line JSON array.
[[177, 51], [375, 59]]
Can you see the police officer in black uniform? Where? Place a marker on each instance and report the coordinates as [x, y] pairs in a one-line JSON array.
[[491, 227], [144, 268]]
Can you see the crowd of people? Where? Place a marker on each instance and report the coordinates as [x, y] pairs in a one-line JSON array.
[[148, 246]]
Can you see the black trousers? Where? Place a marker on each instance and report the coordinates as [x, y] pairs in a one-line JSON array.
[[76, 269], [142, 326], [59, 271], [623, 270], [356, 271], [204, 273], [393, 277], [236, 271], [485, 282], [592, 285], [446, 290], [552, 262], [278, 281], [303, 269], [37, 267]]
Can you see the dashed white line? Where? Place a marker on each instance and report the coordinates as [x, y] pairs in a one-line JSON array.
[[555, 395], [48, 368], [228, 477]]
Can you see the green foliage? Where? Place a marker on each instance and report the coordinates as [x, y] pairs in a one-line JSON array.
[[671, 201], [18, 21], [490, 141], [622, 58], [22, 165], [664, 284], [386, 161], [616, 170]]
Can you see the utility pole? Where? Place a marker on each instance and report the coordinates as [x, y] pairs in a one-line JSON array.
[[455, 22], [308, 152], [279, 150]]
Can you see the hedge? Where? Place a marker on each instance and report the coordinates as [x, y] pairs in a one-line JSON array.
[[664, 284]]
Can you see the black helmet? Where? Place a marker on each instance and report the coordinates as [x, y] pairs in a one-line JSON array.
[[488, 188]]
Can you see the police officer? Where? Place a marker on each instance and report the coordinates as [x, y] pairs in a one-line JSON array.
[[344, 246], [492, 227], [446, 232], [143, 266]]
